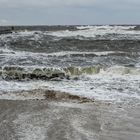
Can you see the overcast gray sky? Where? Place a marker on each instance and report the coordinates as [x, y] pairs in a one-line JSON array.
[[47, 12]]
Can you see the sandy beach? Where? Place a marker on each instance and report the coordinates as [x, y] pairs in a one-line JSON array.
[[57, 120]]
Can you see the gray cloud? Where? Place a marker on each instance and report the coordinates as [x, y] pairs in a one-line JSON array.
[[69, 11], [58, 3], [47, 3], [3, 21]]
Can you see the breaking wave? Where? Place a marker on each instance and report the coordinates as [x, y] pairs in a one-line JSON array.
[[115, 32], [21, 73]]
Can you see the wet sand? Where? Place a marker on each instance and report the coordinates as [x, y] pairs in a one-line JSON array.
[[57, 120]]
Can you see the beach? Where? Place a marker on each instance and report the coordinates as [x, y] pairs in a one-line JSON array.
[[53, 120]]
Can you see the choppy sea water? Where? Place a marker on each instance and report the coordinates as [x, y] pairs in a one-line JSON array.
[[97, 62]]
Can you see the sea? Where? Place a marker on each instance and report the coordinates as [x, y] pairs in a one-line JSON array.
[[99, 62]]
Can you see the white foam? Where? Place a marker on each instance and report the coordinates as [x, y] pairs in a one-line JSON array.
[[102, 87], [10, 86], [5, 50], [120, 70], [105, 27], [84, 31], [29, 131], [93, 31], [73, 52], [15, 90], [8, 55], [34, 35], [60, 53], [107, 87]]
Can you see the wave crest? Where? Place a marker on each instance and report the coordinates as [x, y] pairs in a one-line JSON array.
[[20, 73]]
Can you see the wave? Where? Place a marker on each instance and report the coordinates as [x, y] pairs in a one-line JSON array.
[[94, 31], [117, 27], [11, 52], [70, 58], [72, 53], [21, 73], [80, 32]]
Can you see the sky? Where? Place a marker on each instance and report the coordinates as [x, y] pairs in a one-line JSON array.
[[69, 12]]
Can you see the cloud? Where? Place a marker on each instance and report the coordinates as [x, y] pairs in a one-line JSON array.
[[66, 3], [69, 11], [3, 22], [108, 4], [47, 3]]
